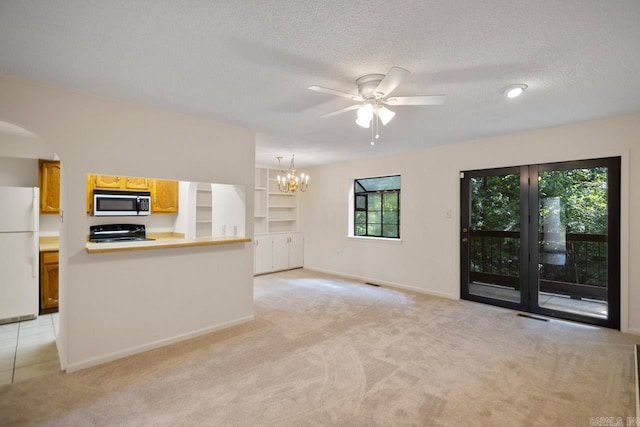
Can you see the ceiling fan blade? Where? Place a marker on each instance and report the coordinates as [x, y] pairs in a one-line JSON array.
[[416, 100], [394, 77], [336, 92], [343, 110]]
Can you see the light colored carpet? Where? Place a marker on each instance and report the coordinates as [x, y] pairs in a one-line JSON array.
[[330, 351]]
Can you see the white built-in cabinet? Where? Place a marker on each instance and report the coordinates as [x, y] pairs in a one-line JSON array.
[[277, 252], [287, 251], [263, 246], [278, 245]]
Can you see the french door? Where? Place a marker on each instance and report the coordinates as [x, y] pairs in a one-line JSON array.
[[544, 239]]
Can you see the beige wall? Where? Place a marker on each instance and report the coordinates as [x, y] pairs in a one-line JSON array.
[[116, 304], [427, 259]]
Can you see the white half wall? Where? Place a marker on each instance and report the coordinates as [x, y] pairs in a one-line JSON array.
[[428, 257], [116, 304]]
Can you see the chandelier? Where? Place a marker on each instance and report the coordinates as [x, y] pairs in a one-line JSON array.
[[291, 182]]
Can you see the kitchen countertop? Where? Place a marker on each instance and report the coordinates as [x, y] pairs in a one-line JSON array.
[[163, 243], [49, 243]]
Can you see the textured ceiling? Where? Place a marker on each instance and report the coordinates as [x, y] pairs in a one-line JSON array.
[[249, 63]]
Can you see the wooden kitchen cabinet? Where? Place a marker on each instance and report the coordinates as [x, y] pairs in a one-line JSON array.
[[49, 183], [48, 282], [112, 182], [107, 182], [164, 196], [164, 193], [133, 183]]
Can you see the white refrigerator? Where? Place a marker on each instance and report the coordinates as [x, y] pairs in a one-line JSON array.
[[19, 253]]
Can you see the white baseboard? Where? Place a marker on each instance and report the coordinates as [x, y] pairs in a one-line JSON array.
[[75, 366], [385, 283], [632, 331]]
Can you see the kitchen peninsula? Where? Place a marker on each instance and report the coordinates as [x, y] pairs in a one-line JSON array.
[[163, 243]]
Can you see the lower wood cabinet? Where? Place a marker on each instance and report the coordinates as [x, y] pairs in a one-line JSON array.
[[276, 252], [48, 282]]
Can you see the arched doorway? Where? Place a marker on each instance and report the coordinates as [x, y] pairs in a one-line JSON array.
[[29, 316]]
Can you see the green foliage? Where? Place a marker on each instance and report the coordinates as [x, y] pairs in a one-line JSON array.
[[583, 198], [495, 203], [495, 200]]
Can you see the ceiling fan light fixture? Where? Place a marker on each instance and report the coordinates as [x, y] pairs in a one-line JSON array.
[[385, 115], [363, 122], [513, 91], [365, 114], [366, 111]]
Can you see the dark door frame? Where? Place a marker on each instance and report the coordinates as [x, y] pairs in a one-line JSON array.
[[529, 247]]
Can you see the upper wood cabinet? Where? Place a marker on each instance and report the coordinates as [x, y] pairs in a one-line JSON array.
[[106, 181], [132, 183], [120, 182], [49, 183], [164, 196]]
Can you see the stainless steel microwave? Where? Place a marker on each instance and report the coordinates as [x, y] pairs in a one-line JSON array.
[[121, 203]]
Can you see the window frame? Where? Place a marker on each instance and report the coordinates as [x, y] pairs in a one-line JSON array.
[[357, 193]]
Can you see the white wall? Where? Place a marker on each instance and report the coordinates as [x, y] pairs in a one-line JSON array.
[[116, 304], [427, 259], [18, 172], [25, 146]]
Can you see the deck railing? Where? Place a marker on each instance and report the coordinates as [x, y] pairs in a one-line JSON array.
[[578, 268]]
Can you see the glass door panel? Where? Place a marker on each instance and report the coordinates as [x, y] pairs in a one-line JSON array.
[[493, 245], [574, 238]]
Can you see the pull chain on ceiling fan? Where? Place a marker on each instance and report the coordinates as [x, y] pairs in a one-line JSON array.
[[373, 97]]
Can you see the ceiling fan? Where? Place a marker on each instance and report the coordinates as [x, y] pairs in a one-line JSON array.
[[373, 96]]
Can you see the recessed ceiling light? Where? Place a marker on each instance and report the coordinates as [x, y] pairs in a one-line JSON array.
[[513, 91]]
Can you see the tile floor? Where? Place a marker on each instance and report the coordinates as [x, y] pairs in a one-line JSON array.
[[28, 349]]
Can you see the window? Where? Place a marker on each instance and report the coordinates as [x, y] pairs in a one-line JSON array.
[[377, 207]]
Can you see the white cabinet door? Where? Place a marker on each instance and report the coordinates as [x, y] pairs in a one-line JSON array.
[[296, 250], [263, 256], [280, 252]]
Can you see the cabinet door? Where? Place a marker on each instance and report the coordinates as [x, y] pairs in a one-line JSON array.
[[49, 181], [48, 282], [133, 183], [263, 255], [164, 196], [296, 250], [106, 181], [280, 252]]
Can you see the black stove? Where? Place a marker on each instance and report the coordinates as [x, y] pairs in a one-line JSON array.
[[117, 233]]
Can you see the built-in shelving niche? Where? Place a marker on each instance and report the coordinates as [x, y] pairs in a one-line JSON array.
[[275, 212]]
